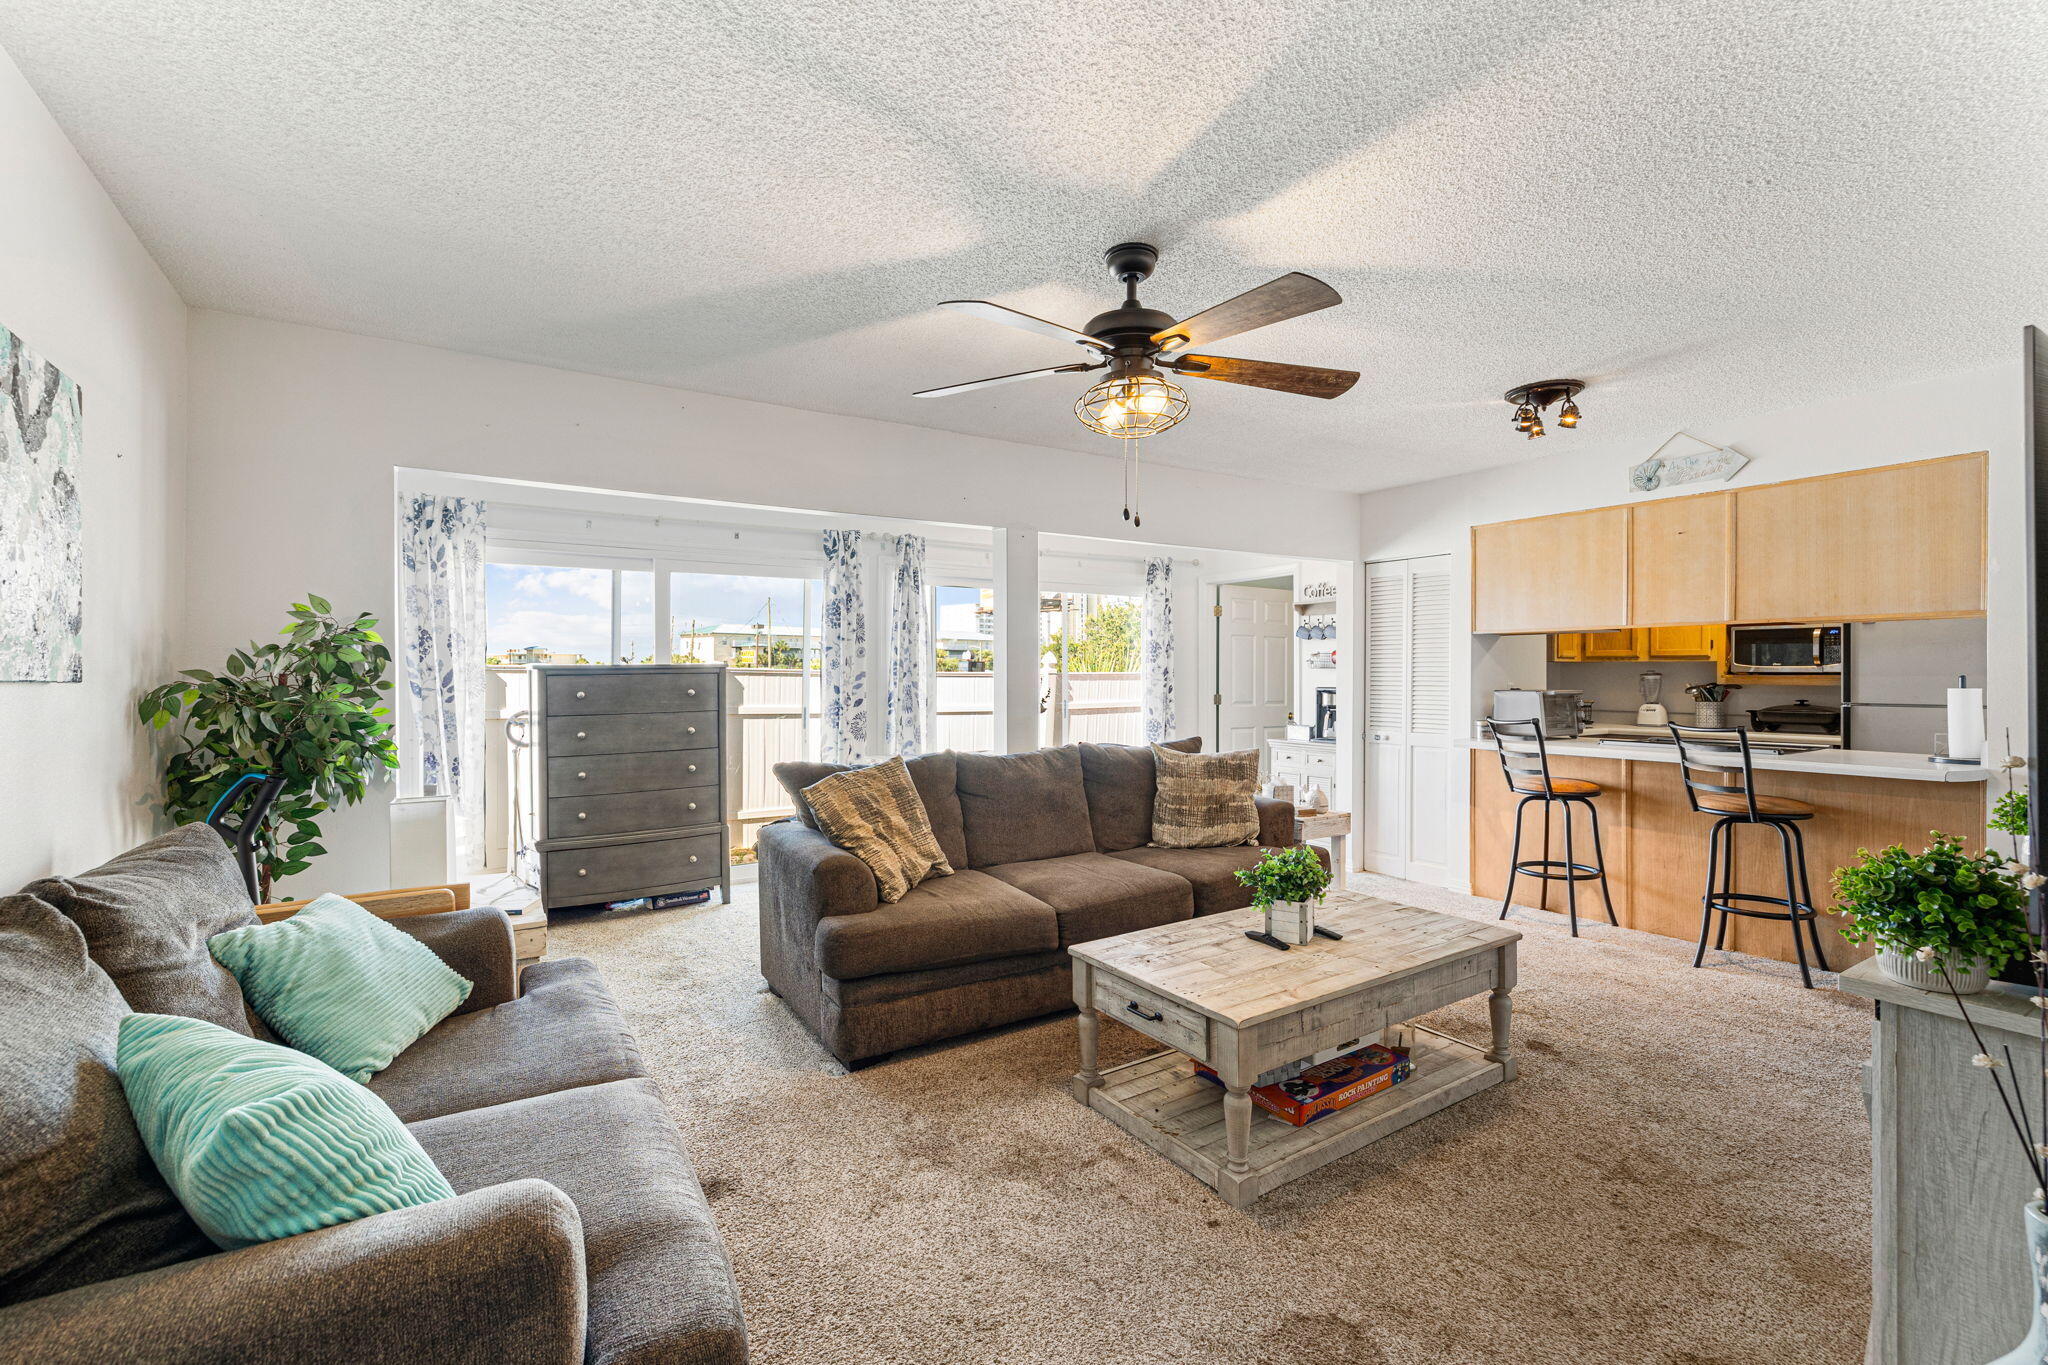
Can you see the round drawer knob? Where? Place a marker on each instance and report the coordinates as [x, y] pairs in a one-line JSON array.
[[693, 767], [693, 857], [689, 691], [581, 735], [693, 805], [581, 816], [581, 776], [689, 729], [583, 872], [580, 696]]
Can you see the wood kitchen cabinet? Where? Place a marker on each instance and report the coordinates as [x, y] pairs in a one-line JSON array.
[[1611, 644], [1686, 642], [1655, 642], [1679, 560], [1567, 572], [1900, 541]]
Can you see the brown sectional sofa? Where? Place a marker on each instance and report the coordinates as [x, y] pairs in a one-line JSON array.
[[1051, 848]]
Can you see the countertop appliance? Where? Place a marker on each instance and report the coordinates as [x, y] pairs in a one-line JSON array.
[[1895, 693], [1326, 714], [1786, 649], [1798, 715], [1557, 708], [1652, 711]]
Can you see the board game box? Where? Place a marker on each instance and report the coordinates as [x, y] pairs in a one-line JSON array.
[[1329, 1086]]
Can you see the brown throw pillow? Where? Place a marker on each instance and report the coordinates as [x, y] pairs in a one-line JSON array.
[[1205, 800], [875, 814]]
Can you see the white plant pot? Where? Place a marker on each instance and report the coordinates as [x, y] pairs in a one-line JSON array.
[[1908, 970], [1292, 921]]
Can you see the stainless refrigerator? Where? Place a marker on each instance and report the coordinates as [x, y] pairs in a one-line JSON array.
[[1896, 682]]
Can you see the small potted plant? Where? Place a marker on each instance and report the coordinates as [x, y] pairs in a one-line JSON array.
[[1287, 884], [1942, 919]]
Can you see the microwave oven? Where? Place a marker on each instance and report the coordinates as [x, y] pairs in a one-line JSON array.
[[1785, 649]]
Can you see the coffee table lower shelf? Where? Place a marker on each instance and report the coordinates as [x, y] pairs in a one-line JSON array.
[[1179, 1114]]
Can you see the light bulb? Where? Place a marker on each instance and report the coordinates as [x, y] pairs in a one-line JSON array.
[[1568, 415], [1535, 428], [1525, 417]]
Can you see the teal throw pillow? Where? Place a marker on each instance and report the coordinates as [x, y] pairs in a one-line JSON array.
[[340, 984], [260, 1142]]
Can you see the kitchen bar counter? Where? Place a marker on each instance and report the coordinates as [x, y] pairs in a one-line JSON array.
[[1657, 844], [1836, 762]]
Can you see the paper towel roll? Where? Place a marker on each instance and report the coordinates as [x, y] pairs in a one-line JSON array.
[[1966, 723]]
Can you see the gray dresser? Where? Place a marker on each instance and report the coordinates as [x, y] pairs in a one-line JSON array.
[[626, 774]]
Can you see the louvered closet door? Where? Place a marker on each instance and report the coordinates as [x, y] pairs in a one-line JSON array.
[[1406, 825]]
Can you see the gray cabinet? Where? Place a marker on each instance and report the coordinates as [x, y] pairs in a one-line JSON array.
[[627, 771]]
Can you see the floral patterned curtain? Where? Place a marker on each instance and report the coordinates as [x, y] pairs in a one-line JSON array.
[[909, 613], [441, 641], [843, 650], [1155, 650]]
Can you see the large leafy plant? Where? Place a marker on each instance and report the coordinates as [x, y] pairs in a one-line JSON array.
[[1962, 907], [307, 708], [1285, 875]]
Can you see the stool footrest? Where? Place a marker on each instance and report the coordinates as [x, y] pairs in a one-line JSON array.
[[1795, 910], [1538, 867]]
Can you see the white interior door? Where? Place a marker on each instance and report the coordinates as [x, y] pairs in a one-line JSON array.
[[1407, 822], [1254, 666]]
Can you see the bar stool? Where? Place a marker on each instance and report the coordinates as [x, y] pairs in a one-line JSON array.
[[1703, 761], [1525, 762]]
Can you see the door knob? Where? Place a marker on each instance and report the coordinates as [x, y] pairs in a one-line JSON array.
[[689, 691], [693, 767], [689, 729], [693, 805]]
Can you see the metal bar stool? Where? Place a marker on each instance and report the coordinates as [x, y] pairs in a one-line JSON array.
[[1705, 761], [1525, 762]]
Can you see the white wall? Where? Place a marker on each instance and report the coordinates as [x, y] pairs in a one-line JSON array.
[[75, 284], [296, 432], [1950, 414]]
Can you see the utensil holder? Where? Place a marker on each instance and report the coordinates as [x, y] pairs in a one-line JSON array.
[[1708, 713]]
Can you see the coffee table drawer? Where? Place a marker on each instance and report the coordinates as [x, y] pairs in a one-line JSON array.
[[1150, 1013]]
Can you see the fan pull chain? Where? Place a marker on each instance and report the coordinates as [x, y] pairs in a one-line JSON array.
[[1124, 461], [1136, 488]]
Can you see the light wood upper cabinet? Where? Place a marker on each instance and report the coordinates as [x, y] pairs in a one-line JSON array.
[[1611, 644], [1678, 555], [1899, 541], [1566, 572]]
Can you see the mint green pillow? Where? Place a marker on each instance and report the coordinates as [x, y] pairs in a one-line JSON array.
[[340, 984], [260, 1142]]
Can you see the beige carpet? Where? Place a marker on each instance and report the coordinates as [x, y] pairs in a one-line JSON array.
[[1679, 1175]]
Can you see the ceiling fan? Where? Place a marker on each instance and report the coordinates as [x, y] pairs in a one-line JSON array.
[[1134, 343]]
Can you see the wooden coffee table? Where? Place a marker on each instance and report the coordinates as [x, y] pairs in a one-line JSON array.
[[1208, 992]]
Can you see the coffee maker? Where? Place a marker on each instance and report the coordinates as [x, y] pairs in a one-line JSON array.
[[1325, 726]]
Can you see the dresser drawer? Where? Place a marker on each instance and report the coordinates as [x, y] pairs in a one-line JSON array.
[[577, 876], [584, 817], [608, 773], [1171, 1022], [629, 690], [573, 735]]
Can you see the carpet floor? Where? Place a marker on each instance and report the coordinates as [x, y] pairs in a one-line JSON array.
[[1680, 1175]]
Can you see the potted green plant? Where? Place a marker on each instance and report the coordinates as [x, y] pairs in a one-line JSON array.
[[1942, 919], [307, 708], [1287, 884]]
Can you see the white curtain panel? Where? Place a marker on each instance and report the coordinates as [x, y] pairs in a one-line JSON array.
[[1155, 650], [843, 650], [441, 640], [908, 609]]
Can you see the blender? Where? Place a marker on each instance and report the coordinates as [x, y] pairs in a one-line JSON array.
[[1651, 712]]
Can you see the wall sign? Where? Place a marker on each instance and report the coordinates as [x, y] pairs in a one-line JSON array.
[[1318, 592], [1686, 459]]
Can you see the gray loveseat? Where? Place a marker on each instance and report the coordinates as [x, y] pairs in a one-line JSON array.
[[579, 1231], [1050, 848]]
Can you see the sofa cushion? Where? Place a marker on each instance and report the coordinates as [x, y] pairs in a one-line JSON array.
[[562, 1032], [1210, 871], [1121, 781], [80, 1199], [660, 1285], [147, 915], [1095, 895], [1206, 800], [1022, 807], [948, 921], [875, 814], [931, 774]]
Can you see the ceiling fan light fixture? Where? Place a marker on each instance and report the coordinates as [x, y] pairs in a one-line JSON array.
[[1129, 406], [1531, 399], [1568, 415]]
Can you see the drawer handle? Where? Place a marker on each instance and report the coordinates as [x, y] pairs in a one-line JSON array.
[[690, 692], [583, 872], [581, 776], [581, 816], [579, 696], [693, 767], [581, 735], [693, 805], [693, 857], [689, 729], [1132, 1007]]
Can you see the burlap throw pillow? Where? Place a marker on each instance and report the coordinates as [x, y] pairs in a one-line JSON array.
[[875, 814], [1205, 800]]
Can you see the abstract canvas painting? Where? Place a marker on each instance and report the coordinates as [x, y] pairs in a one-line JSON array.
[[42, 590]]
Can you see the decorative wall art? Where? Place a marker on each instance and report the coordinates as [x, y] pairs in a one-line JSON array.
[[1686, 459], [42, 595]]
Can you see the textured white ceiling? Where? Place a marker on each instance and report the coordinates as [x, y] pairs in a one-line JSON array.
[[1706, 209]]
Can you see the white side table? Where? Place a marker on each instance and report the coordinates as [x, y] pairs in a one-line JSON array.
[[1332, 825]]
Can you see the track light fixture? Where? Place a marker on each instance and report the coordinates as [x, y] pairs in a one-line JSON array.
[[1531, 399]]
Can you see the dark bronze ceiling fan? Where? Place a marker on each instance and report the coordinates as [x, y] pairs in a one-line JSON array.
[[1135, 343]]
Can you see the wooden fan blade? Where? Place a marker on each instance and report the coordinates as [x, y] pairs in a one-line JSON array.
[[1010, 317], [1290, 296], [1310, 380], [1001, 379]]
